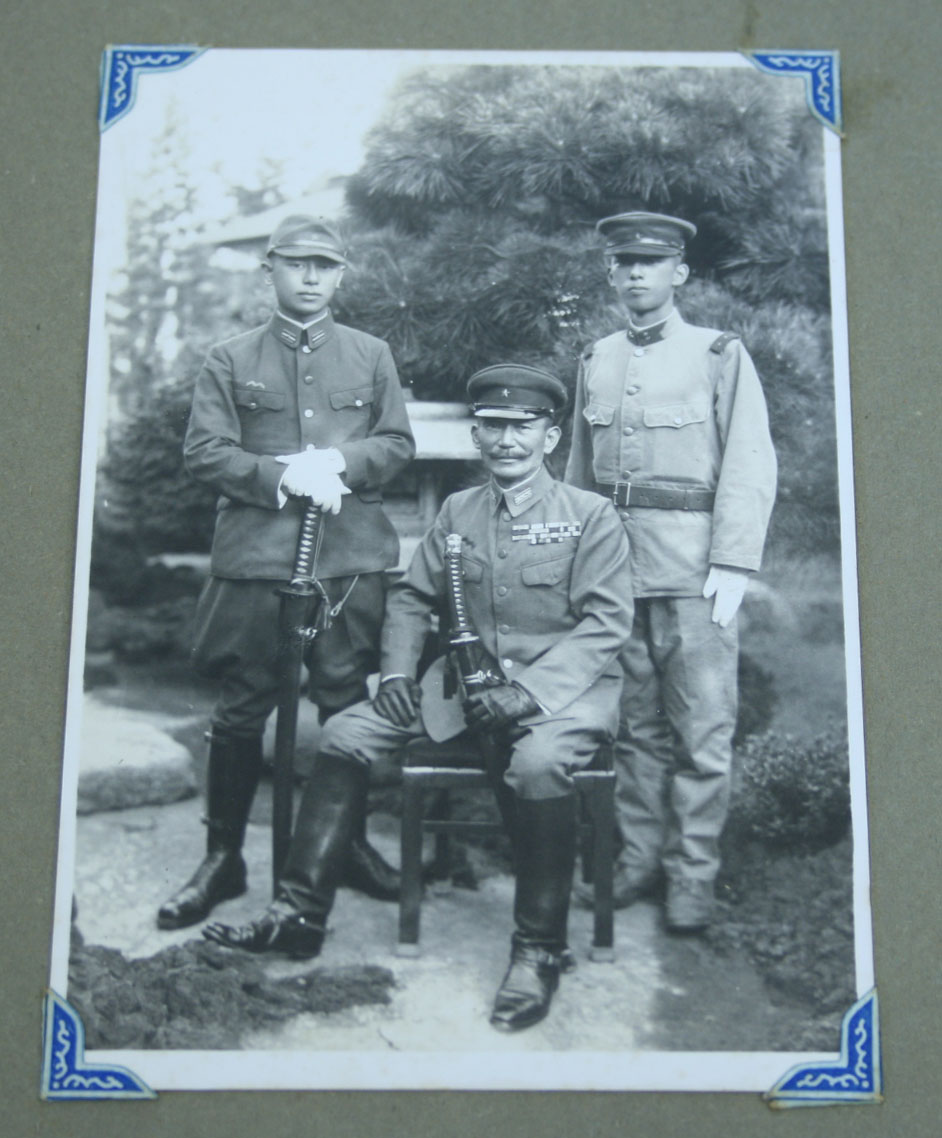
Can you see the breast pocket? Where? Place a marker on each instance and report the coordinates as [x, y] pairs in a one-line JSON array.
[[550, 572], [675, 415], [352, 399], [471, 570], [254, 399], [351, 413], [679, 441], [598, 414]]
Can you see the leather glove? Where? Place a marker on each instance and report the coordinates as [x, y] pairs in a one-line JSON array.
[[398, 700], [499, 706], [728, 586]]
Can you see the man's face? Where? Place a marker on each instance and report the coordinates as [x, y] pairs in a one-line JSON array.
[[304, 286], [646, 284], [513, 449]]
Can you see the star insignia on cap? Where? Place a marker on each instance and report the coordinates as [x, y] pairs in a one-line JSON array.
[[505, 393]]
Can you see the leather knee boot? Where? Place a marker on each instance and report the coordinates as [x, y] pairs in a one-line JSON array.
[[234, 768], [296, 921], [545, 857], [367, 870]]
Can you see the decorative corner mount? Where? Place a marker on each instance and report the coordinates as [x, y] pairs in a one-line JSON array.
[[65, 1074], [821, 71], [120, 67], [857, 1077]]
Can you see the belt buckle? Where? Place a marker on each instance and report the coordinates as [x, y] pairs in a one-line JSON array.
[[622, 494]]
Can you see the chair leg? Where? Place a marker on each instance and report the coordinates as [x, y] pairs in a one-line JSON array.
[[410, 895], [441, 812], [601, 797]]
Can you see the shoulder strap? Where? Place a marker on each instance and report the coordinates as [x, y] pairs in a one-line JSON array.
[[720, 343]]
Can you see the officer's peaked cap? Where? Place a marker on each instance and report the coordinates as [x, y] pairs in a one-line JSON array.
[[302, 236], [656, 234], [515, 391]]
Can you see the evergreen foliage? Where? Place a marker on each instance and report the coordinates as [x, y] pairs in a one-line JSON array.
[[473, 219], [472, 240]]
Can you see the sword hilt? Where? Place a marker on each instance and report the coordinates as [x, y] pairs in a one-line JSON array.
[[309, 540]]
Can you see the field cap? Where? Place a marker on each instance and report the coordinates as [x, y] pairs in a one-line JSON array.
[[302, 236]]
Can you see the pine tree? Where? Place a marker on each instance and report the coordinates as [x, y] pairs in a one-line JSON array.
[[473, 233]]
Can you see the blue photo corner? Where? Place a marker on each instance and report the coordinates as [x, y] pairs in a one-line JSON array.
[[821, 71], [66, 1077], [857, 1077], [122, 66]]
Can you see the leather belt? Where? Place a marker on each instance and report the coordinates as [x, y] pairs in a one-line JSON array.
[[625, 494]]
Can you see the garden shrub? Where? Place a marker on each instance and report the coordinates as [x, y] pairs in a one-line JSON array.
[[790, 793], [757, 699]]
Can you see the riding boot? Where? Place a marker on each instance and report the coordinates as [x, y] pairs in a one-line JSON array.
[[367, 870], [235, 764], [545, 857], [296, 921]]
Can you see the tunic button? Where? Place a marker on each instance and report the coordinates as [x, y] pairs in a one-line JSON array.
[[507, 663], [309, 379], [639, 351], [358, 403], [502, 553], [305, 348], [629, 430], [502, 590], [252, 406], [503, 629], [633, 389], [505, 516], [678, 420], [308, 413]]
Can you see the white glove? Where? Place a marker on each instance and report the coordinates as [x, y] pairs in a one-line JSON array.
[[314, 474], [728, 586], [329, 460]]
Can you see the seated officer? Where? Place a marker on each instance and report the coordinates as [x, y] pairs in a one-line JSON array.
[[547, 591]]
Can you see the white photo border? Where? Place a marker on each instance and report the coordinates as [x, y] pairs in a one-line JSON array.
[[592, 1071]]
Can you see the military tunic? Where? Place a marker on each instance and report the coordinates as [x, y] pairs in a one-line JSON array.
[[548, 591], [675, 413], [677, 407], [276, 390]]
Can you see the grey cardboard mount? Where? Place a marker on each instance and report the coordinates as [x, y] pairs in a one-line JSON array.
[[891, 162]]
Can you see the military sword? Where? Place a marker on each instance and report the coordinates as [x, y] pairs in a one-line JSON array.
[[298, 624], [477, 671]]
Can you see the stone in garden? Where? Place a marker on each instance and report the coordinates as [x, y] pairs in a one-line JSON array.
[[125, 760]]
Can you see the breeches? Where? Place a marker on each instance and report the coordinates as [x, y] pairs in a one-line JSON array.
[[673, 751], [236, 643], [543, 756]]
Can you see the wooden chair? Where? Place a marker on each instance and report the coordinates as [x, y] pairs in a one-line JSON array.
[[453, 766]]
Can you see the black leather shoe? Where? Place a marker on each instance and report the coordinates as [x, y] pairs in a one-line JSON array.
[[524, 997], [290, 933], [368, 872], [220, 877]]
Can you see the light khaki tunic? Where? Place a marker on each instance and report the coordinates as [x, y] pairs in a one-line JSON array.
[[677, 413]]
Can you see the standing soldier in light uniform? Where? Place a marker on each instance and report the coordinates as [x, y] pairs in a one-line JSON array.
[[670, 423], [548, 591], [299, 410]]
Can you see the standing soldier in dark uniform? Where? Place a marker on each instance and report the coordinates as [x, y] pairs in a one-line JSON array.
[[670, 423], [298, 410], [547, 589]]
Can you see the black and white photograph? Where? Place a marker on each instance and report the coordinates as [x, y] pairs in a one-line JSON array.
[[465, 670]]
